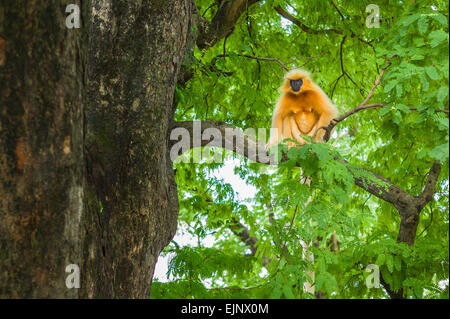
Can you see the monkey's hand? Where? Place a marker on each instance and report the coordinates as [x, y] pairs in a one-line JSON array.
[[319, 135]]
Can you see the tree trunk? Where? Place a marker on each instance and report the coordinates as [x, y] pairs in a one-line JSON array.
[[85, 176], [136, 49], [42, 81]]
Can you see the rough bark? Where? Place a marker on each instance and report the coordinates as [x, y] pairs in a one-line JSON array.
[[206, 34], [85, 176], [223, 22], [135, 52], [42, 76]]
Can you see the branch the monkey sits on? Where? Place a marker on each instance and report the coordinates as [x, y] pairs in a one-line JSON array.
[[302, 108]]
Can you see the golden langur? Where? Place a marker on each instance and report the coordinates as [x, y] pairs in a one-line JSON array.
[[302, 108]]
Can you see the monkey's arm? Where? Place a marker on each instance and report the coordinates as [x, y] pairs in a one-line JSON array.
[[325, 118]]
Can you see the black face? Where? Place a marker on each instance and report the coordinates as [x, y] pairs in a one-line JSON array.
[[296, 84]]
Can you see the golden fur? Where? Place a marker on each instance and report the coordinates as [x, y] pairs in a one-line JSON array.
[[304, 111]]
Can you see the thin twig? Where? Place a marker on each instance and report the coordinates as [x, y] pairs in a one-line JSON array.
[[307, 29], [213, 61], [337, 9], [360, 107], [431, 221]]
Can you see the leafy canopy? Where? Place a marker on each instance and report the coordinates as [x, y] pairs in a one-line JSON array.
[[398, 141]]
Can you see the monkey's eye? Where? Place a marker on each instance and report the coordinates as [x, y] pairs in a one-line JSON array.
[[296, 84]]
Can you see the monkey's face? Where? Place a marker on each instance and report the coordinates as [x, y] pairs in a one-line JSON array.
[[296, 85], [296, 82]]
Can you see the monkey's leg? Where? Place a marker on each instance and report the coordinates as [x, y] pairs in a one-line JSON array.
[[287, 130], [295, 131]]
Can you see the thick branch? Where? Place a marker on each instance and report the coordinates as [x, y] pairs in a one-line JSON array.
[[222, 23], [226, 140], [205, 34], [388, 192], [430, 185], [410, 210]]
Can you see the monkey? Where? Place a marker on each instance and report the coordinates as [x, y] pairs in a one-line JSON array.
[[302, 108]]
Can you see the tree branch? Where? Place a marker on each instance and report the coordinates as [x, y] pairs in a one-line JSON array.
[[360, 107], [385, 190], [223, 22], [307, 29], [213, 61], [242, 232], [302, 26], [344, 73], [337, 9], [435, 111], [408, 206], [430, 185], [363, 105], [205, 34]]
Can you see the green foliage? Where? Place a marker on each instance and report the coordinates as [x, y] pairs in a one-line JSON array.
[[398, 142]]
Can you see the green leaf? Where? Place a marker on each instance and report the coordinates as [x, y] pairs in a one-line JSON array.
[[440, 152], [422, 24], [443, 124], [442, 93], [331, 284], [432, 72], [403, 108], [287, 291], [387, 276], [410, 19], [417, 57], [418, 291], [437, 37], [390, 263], [380, 260], [398, 263], [441, 19], [399, 89], [390, 85], [385, 110], [321, 152], [424, 82]]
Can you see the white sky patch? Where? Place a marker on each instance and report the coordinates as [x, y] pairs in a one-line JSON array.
[[183, 238], [243, 193], [285, 23]]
